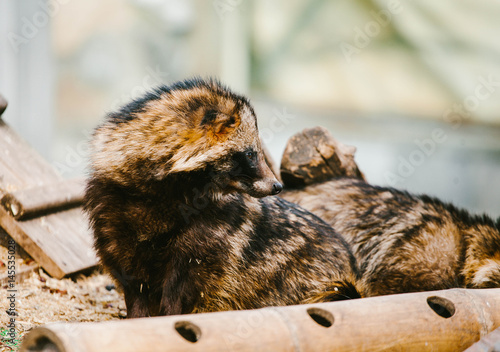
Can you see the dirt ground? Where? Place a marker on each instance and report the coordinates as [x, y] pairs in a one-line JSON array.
[[40, 299]]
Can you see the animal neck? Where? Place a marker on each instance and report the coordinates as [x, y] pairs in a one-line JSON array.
[[187, 195]]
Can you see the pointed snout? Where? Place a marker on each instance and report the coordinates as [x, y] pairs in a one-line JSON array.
[[277, 188], [266, 187], [268, 184]]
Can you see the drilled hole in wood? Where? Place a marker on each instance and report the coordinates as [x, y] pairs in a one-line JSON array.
[[188, 331], [42, 344], [441, 306], [321, 316]]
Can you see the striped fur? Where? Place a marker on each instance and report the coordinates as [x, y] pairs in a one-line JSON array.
[[403, 242], [175, 203]]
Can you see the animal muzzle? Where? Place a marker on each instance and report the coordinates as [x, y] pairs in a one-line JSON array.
[[266, 184], [267, 187]]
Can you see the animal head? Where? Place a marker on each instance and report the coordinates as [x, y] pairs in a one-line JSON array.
[[191, 126]]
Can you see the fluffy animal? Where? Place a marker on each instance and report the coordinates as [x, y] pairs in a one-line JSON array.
[[403, 242], [175, 200]]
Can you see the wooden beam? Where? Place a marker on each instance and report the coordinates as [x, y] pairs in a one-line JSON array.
[[44, 199], [446, 321]]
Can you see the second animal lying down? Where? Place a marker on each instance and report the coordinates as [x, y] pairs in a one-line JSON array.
[[172, 204], [406, 243]]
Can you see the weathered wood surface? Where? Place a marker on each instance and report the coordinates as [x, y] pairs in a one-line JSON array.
[[489, 343], [43, 199], [314, 156], [60, 242], [449, 320], [24, 270], [21, 167]]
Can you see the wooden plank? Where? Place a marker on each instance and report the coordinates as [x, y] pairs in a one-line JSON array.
[[11, 226], [65, 238], [5, 242], [61, 243], [21, 167], [29, 186], [48, 198], [446, 321]]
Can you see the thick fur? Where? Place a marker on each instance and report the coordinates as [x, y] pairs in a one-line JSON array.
[[172, 203], [403, 242]]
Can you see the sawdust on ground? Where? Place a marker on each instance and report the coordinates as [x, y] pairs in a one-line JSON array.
[[40, 299]]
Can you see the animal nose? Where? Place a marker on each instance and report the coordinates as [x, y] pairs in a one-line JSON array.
[[277, 188]]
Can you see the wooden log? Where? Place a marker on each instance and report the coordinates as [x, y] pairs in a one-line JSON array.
[[314, 156], [44, 199], [489, 343], [449, 320]]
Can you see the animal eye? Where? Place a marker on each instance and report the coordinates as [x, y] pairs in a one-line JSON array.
[[250, 154]]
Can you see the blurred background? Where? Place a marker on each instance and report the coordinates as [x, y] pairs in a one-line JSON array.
[[415, 86]]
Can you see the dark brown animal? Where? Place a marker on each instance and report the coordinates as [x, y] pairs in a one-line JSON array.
[[403, 242], [172, 203]]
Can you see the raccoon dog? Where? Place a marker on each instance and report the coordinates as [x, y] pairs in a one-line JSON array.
[[403, 242], [175, 199]]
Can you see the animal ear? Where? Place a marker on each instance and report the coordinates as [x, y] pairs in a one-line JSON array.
[[220, 124]]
